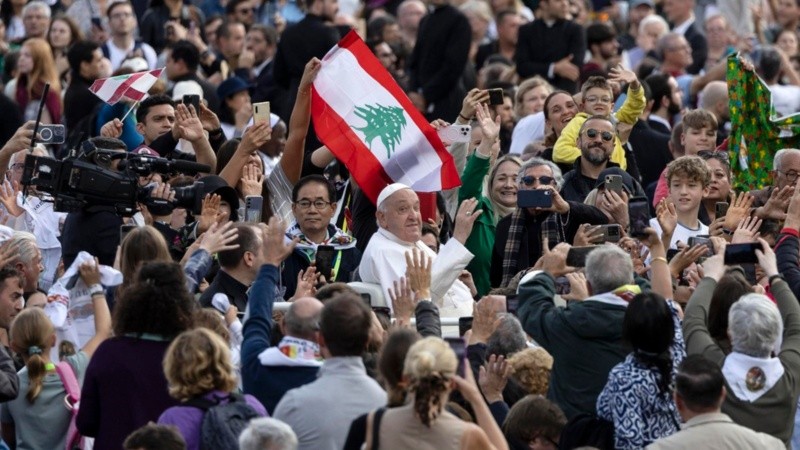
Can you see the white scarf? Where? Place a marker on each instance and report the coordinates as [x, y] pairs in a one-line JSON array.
[[292, 351], [735, 370]]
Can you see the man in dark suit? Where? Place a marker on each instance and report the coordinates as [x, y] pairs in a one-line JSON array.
[[311, 37], [552, 46], [256, 61], [438, 62], [680, 14], [508, 22], [650, 147], [667, 101]]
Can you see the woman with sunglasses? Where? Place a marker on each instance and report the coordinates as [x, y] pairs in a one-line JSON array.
[[499, 201]]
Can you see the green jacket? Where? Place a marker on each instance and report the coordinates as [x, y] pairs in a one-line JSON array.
[[773, 413], [584, 338], [481, 241]]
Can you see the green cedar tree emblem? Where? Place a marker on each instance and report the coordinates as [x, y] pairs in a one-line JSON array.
[[384, 122]]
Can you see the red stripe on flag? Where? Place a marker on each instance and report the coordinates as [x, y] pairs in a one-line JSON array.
[[372, 66], [120, 92], [337, 135]]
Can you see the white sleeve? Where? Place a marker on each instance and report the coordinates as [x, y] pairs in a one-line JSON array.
[[453, 257]]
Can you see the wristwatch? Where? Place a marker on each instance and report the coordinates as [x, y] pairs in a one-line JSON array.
[[96, 289]]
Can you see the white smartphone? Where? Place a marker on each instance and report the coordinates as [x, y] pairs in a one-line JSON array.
[[455, 133], [260, 112]]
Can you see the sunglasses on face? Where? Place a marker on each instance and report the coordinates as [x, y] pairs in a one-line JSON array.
[[529, 180], [607, 136]]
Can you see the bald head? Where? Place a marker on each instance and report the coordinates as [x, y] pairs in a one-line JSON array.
[[302, 318], [714, 98]]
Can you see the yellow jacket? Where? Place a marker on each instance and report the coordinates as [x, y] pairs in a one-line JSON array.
[[566, 150]]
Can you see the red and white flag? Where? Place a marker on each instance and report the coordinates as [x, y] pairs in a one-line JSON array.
[[368, 122], [132, 86]]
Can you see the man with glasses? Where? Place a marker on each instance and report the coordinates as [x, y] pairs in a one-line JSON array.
[[596, 141], [519, 236], [313, 206], [123, 43], [242, 11], [773, 201], [598, 100]]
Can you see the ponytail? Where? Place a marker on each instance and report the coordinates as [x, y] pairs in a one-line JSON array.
[[428, 398], [30, 332], [662, 363], [36, 372]]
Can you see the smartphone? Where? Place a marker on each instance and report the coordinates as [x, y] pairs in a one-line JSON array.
[[464, 325], [671, 253], [460, 349], [252, 208], [576, 257], [741, 253], [562, 286], [367, 299], [535, 198], [702, 240], [495, 97], [324, 261], [52, 134], [611, 232], [261, 112], [721, 209], [455, 133], [614, 183], [194, 100], [124, 230], [639, 216], [512, 304], [97, 22]]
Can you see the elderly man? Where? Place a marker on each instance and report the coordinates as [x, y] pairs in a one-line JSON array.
[[36, 20], [27, 259], [518, 240], [773, 201], [400, 231], [585, 337]]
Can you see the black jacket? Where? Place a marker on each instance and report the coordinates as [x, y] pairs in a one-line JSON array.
[[226, 284], [298, 261], [659, 126], [439, 59], [79, 102], [530, 247], [577, 186], [651, 149], [538, 46], [699, 49]]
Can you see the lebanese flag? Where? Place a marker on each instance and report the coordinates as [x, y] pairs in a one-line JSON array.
[[132, 86], [368, 122]]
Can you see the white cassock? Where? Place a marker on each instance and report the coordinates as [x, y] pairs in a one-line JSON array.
[[384, 262]]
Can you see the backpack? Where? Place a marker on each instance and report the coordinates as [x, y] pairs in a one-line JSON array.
[[587, 430], [72, 401], [223, 423]]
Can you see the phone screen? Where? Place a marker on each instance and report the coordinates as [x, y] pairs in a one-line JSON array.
[[324, 261], [639, 216], [495, 97], [192, 99], [464, 325], [741, 253], [460, 349]]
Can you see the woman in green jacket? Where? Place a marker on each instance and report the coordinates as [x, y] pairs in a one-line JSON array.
[[497, 195]]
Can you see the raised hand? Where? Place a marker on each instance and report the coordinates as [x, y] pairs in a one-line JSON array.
[[418, 273], [493, 377], [739, 209], [403, 301], [587, 235], [8, 197], [306, 283], [275, 249], [465, 219], [252, 180], [746, 231], [209, 212], [622, 75], [577, 287], [254, 138], [220, 238], [309, 74], [667, 218], [776, 206], [490, 128]]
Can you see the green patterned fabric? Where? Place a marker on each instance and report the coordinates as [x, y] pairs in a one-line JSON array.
[[756, 133]]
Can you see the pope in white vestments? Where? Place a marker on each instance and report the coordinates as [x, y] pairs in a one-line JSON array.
[[399, 231]]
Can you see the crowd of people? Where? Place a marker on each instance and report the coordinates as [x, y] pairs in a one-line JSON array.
[[244, 292]]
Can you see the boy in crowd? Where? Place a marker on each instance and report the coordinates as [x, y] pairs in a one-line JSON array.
[[597, 99], [699, 133], [688, 178]]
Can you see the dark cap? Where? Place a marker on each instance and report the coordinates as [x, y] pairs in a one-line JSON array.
[[627, 180], [232, 85], [213, 184]]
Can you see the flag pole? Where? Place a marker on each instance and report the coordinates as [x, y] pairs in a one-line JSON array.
[[135, 105]]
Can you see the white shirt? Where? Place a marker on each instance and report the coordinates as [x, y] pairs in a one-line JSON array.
[[116, 55], [384, 262], [529, 129], [682, 233], [659, 119], [785, 99]]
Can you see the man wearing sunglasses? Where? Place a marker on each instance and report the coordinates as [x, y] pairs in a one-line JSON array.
[[519, 236], [596, 141]]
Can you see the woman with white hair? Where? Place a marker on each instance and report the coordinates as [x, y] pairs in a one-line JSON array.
[[762, 371]]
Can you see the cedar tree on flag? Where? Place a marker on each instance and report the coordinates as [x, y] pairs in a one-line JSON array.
[[132, 86], [368, 122]]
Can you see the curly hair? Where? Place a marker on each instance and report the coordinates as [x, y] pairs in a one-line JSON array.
[[531, 369], [692, 167], [157, 302], [197, 362], [30, 333], [430, 364], [211, 319]]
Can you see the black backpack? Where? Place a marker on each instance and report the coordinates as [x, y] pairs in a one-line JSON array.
[[587, 430], [223, 423]]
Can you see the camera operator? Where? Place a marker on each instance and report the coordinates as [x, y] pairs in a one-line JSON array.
[[162, 124], [95, 229]]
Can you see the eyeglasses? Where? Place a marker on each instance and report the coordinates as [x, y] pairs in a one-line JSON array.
[[607, 136], [124, 15], [595, 99], [790, 175], [529, 180], [318, 204]]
